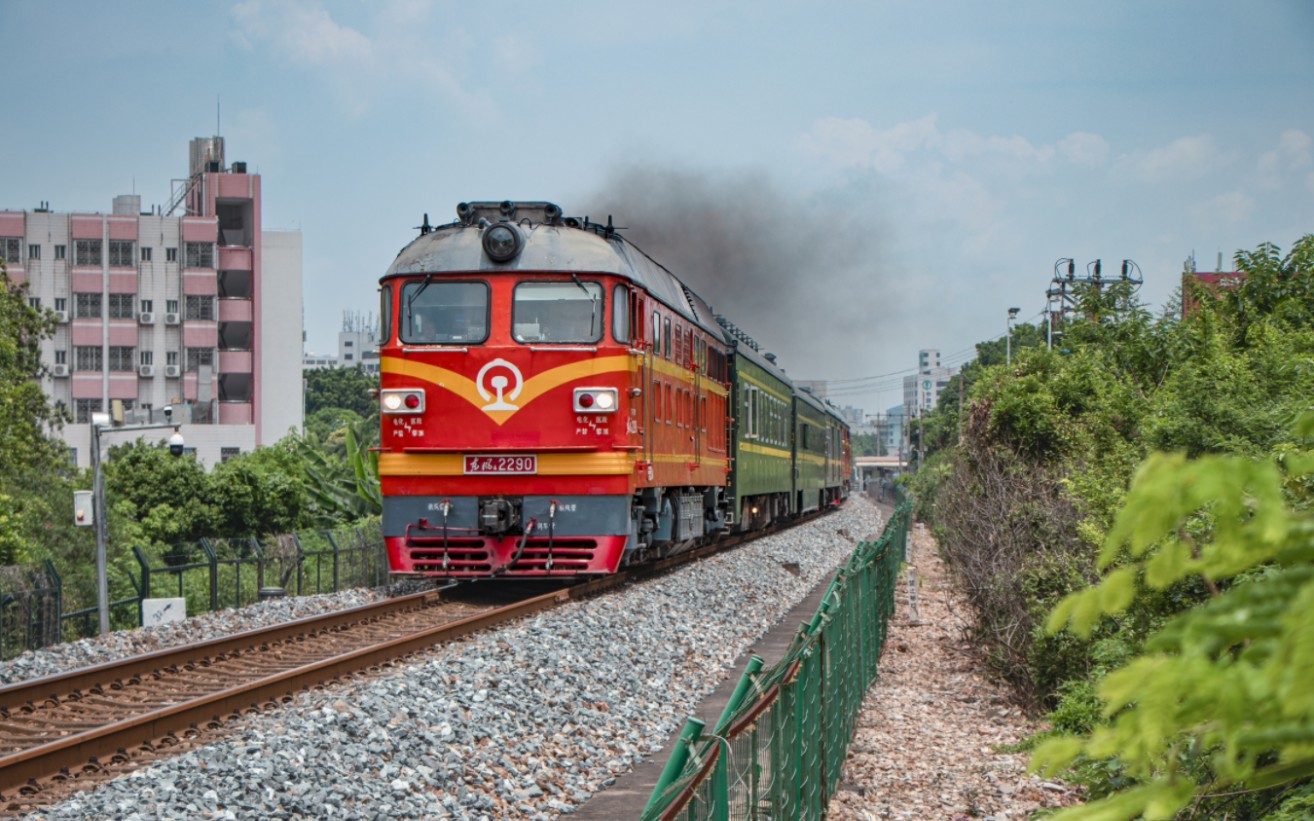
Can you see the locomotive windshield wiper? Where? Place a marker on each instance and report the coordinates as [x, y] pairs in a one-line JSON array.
[[411, 300], [593, 315]]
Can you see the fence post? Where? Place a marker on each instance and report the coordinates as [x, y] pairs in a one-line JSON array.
[[754, 667], [5, 600], [57, 587], [693, 728], [214, 573], [301, 556], [333, 540]]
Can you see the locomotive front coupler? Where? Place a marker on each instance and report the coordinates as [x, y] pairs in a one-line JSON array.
[[498, 515]]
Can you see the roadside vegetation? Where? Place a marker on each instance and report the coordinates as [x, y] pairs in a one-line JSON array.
[[325, 477], [1130, 512]]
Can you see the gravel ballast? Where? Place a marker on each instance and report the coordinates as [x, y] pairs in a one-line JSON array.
[[525, 721]]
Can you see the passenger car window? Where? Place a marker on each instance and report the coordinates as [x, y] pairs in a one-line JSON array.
[[557, 312], [444, 312]]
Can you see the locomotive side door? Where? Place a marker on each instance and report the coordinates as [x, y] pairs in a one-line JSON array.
[[650, 387], [696, 412]]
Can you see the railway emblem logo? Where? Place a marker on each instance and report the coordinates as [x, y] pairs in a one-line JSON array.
[[499, 383]]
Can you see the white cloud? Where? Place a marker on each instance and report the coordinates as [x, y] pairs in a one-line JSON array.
[[302, 32], [400, 55], [1292, 154], [1183, 158], [856, 143], [1223, 211], [1084, 148]]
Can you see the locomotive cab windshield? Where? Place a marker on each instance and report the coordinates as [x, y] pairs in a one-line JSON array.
[[557, 312], [444, 312]]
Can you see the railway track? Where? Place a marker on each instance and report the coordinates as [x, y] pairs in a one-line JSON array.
[[64, 733]]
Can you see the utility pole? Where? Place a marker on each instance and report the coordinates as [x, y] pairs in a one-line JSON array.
[[1008, 336], [100, 423]]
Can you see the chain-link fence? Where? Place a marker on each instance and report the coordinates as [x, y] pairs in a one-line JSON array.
[[778, 749], [210, 574]]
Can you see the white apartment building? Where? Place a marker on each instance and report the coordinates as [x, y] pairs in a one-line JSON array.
[[921, 392]]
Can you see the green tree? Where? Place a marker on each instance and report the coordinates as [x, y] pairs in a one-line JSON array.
[[343, 388], [30, 459], [1221, 698]]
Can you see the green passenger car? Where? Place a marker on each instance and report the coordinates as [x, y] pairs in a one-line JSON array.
[[761, 485], [812, 434]]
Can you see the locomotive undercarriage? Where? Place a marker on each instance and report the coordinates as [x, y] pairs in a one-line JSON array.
[[502, 535]]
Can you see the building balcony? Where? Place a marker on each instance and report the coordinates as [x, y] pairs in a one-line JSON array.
[[234, 362], [235, 258], [236, 413], [235, 310]]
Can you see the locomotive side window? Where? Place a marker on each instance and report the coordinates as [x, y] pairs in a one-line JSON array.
[[385, 314], [444, 312], [557, 312], [620, 313]]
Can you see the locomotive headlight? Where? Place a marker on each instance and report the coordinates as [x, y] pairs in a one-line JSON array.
[[501, 242], [595, 400], [410, 400]]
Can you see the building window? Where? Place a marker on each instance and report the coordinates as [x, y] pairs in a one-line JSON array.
[[147, 306], [200, 307], [73, 457], [86, 306], [346, 343], [200, 255], [11, 248], [33, 251], [145, 253], [229, 453], [34, 302], [61, 303], [147, 358], [86, 252], [120, 305], [61, 251], [170, 254], [87, 358], [171, 306], [83, 408], [347, 357], [171, 358], [121, 253], [196, 357], [61, 357], [120, 358]]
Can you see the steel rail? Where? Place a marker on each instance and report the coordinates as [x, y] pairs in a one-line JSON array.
[[15, 697], [92, 750]]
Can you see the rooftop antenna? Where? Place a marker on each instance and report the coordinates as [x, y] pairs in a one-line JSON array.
[[217, 131]]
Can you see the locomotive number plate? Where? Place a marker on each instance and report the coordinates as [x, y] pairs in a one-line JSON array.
[[501, 465]]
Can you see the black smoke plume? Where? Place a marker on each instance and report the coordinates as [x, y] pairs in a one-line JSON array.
[[804, 279]]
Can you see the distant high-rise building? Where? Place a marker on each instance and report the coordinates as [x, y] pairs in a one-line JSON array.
[[200, 311], [921, 392], [358, 342]]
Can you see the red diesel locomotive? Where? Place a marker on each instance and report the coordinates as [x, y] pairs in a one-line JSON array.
[[553, 401]]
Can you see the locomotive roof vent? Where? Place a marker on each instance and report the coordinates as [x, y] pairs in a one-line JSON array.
[[546, 213]]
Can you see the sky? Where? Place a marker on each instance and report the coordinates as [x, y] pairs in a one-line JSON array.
[[848, 182]]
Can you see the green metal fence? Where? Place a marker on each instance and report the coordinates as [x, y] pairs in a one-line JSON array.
[[210, 574], [778, 749]]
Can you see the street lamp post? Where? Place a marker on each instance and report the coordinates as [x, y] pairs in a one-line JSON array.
[[100, 423], [1008, 336]]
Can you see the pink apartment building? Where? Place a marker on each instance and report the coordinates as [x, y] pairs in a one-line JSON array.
[[200, 312]]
